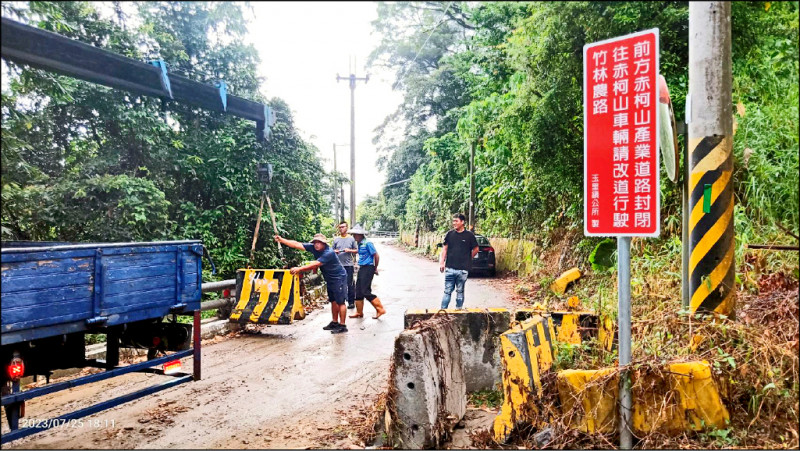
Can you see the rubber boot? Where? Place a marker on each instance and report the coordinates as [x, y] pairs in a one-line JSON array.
[[378, 308], [359, 310]]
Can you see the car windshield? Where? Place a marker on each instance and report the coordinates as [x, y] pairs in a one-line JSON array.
[[482, 240]]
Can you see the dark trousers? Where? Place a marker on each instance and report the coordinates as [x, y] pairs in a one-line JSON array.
[[364, 283], [351, 284]]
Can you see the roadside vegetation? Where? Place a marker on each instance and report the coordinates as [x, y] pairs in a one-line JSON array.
[[82, 162], [507, 79]]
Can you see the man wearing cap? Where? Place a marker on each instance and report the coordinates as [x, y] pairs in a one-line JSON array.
[[368, 260], [333, 273]]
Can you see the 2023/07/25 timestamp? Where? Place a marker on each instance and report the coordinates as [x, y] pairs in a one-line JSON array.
[[50, 423]]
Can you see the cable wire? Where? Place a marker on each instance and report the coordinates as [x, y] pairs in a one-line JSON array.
[[441, 18]]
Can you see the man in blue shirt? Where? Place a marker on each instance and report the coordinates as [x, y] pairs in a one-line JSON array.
[[333, 273], [368, 260]]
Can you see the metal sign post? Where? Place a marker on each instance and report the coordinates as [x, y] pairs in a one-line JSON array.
[[621, 166], [624, 320]]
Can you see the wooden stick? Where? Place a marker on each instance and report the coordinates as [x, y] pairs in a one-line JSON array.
[[255, 234], [274, 226], [780, 226], [775, 247]]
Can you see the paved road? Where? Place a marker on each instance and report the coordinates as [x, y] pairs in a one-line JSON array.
[[287, 387]]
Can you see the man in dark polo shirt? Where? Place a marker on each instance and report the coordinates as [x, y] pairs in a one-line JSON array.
[[333, 273], [460, 246]]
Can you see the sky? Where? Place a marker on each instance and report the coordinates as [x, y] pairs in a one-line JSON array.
[[303, 46]]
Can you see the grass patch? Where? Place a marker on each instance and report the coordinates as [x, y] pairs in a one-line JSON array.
[[486, 398], [185, 319]]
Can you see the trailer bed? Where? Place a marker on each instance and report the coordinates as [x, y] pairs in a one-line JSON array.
[[54, 289]]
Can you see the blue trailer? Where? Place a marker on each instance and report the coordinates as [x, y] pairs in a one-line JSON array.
[[53, 294]]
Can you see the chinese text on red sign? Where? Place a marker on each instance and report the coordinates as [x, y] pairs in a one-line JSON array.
[[621, 156]]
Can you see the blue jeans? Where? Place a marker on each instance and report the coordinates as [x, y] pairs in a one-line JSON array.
[[351, 285], [454, 278]]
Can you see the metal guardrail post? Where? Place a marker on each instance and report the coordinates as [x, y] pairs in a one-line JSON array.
[[196, 346]]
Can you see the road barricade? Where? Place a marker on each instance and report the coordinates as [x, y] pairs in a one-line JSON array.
[[526, 353], [571, 327], [479, 332], [575, 327], [267, 296], [559, 286], [668, 400], [427, 389]]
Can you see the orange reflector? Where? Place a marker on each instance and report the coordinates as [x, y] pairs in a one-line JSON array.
[[16, 369], [172, 367]]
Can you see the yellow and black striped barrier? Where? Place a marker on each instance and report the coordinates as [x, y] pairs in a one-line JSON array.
[[526, 351], [671, 399], [267, 296], [711, 261]]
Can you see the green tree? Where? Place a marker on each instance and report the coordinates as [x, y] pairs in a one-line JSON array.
[[82, 162]]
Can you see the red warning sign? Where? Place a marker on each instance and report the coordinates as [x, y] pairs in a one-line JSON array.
[[621, 154]]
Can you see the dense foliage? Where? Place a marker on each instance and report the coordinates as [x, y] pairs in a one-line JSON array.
[[82, 162], [507, 78]]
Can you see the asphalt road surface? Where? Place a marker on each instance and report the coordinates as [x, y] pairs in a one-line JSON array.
[[291, 386]]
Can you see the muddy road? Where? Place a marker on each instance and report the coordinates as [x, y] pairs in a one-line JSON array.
[[291, 386]]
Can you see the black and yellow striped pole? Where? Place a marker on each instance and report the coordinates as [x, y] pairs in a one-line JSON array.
[[709, 114]]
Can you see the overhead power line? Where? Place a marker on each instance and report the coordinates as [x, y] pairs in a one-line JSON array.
[[395, 183], [439, 22]]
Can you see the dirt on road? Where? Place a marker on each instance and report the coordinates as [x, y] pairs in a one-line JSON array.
[[291, 386]]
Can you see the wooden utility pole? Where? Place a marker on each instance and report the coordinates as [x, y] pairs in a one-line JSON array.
[[335, 190], [353, 79], [710, 118]]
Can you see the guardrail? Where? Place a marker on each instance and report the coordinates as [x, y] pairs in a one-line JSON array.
[[209, 287], [384, 234]]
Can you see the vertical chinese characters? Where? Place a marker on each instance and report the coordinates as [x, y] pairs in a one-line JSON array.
[[621, 188], [643, 135], [599, 107], [621, 136]]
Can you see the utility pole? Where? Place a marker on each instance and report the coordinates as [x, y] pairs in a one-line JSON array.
[[472, 186], [338, 206], [710, 119], [353, 79], [335, 194]]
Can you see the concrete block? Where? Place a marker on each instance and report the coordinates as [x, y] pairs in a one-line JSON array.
[[571, 327], [216, 327], [589, 399], [427, 394], [526, 354], [669, 400], [479, 337], [559, 286]]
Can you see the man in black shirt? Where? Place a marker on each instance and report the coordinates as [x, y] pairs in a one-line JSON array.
[[460, 246]]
